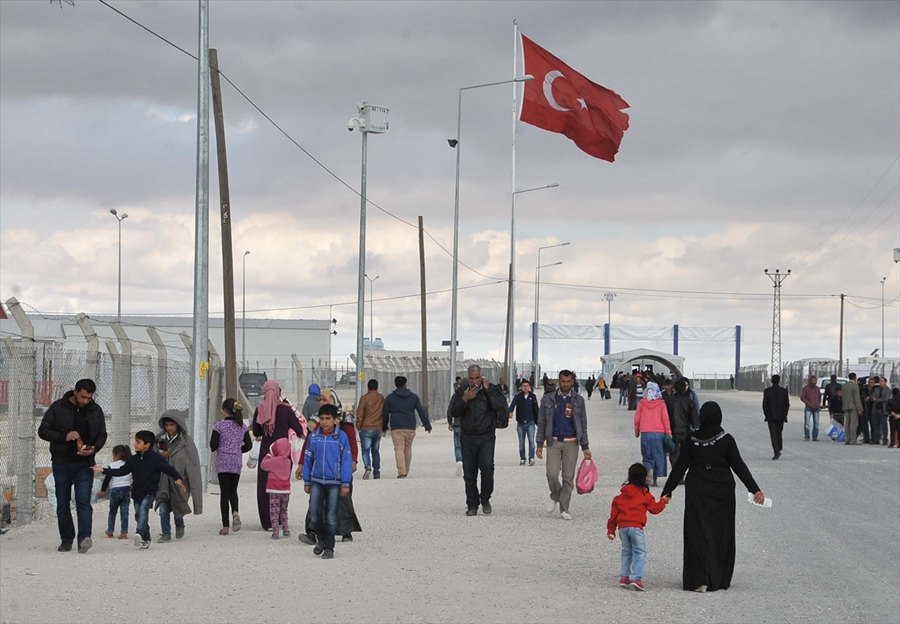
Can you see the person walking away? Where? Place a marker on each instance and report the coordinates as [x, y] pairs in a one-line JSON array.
[[651, 425], [775, 406], [894, 414], [146, 467], [477, 404], [628, 514], [230, 439], [272, 420], [118, 490], [881, 396], [75, 427], [525, 405], [853, 409], [369, 419], [811, 400], [562, 424], [683, 417], [311, 404], [601, 388], [400, 409], [327, 475], [709, 457], [589, 386], [830, 388], [278, 465], [181, 452]]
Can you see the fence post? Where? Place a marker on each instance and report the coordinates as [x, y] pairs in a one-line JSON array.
[[23, 418], [162, 373], [92, 362], [124, 390], [299, 388], [215, 408], [118, 426]]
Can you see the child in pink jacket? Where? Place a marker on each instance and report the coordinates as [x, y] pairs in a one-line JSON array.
[[279, 466], [651, 425]]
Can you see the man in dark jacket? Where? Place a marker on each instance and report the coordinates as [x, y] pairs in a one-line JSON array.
[[525, 406], [475, 404], [400, 408], [775, 407], [683, 416], [75, 427]]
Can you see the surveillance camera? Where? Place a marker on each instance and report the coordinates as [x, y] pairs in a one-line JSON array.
[[351, 125]]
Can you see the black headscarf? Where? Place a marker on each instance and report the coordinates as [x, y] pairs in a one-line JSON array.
[[710, 421]]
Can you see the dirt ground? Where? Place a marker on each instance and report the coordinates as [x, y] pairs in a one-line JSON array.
[[826, 552]]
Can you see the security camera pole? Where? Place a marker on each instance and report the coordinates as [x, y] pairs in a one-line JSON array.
[[370, 119]]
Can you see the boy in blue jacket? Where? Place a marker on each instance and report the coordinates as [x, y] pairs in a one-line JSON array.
[[327, 474]]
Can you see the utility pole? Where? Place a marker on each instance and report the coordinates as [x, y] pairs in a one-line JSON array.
[[841, 341], [609, 296], [777, 278], [231, 380], [424, 388]]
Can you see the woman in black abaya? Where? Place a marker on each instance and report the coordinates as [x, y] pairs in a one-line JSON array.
[[708, 456]]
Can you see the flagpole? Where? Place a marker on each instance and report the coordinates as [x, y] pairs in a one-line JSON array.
[[511, 316]]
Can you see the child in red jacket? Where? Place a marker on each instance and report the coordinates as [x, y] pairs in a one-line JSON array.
[[278, 464], [628, 512]]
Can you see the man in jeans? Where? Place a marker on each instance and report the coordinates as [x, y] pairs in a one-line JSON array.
[[369, 414], [475, 404], [525, 405], [562, 423], [400, 409], [809, 396], [75, 427]]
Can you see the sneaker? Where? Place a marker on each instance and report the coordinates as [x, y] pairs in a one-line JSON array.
[[179, 532], [401, 476], [223, 531], [85, 545], [109, 534], [286, 533], [306, 539], [377, 475], [623, 581], [486, 508], [638, 584], [163, 538], [123, 535], [65, 546], [565, 515], [347, 538], [235, 523], [275, 535], [145, 545], [806, 439], [551, 506], [318, 550], [367, 474], [472, 511], [531, 462], [459, 469], [521, 462], [328, 554], [776, 456]]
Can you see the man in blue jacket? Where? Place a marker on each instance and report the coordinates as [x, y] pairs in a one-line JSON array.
[[525, 405], [400, 409]]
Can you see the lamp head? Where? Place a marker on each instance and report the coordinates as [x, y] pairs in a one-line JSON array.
[[453, 142], [113, 212]]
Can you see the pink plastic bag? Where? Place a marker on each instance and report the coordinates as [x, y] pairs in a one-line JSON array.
[[587, 477]]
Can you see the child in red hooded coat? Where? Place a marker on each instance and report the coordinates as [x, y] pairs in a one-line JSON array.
[[279, 465]]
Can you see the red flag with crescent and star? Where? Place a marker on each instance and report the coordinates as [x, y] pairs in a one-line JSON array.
[[559, 99]]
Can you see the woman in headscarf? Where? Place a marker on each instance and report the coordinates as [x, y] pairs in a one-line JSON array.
[[272, 421], [651, 425], [709, 455], [347, 520]]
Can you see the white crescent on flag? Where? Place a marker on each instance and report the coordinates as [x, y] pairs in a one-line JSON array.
[[548, 90]]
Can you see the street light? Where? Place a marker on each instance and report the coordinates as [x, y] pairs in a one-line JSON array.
[[454, 143], [511, 311], [244, 306], [609, 296], [535, 365], [119, 218], [883, 279], [371, 307]]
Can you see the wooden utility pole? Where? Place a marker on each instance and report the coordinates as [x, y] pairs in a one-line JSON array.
[[231, 382], [422, 305], [841, 340]]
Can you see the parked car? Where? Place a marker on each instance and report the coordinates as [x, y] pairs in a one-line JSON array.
[[251, 384], [348, 379]]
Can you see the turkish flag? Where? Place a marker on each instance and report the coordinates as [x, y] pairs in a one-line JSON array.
[[559, 99]]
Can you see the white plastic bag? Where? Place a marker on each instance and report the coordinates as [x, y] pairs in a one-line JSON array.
[[254, 455]]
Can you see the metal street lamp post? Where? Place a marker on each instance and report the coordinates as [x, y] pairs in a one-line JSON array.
[[119, 218], [244, 313], [883, 280], [609, 296], [371, 307], [455, 143], [535, 363]]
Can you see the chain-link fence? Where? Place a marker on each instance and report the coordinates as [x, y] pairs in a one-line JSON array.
[[795, 374]]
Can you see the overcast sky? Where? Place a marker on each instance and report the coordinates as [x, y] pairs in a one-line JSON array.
[[763, 135]]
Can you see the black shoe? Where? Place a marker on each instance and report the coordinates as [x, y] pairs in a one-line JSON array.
[[777, 455], [306, 539], [347, 538], [328, 554], [472, 511], [377, 475], [65, 546], [486, 508], [318, 550]]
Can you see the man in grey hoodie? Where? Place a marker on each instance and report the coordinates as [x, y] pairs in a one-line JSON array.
[[400, 408]]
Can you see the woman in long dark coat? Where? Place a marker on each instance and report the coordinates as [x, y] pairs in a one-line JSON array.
[[271, 421], [709, 455]]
